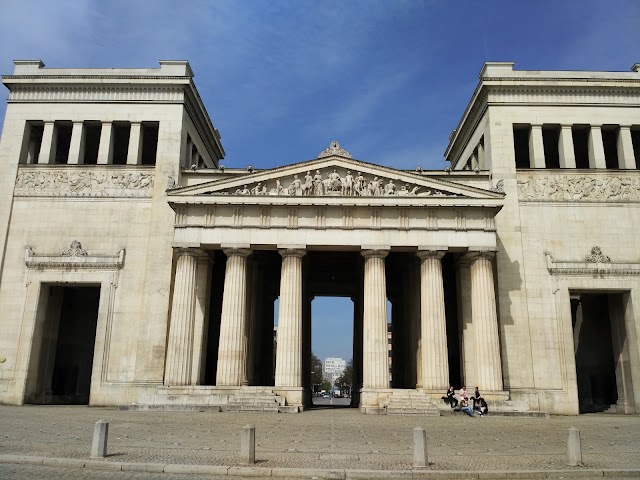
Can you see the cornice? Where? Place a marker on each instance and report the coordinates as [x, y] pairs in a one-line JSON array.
[[74, 257], [594, 264], [96, 93]]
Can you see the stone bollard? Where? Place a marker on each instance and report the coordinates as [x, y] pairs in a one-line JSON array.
[[420, 456], [574, 448], [100, 433], [248, 445]]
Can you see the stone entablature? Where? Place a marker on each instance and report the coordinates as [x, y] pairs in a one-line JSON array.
[[84, 181], [578, 186], [340, 217]]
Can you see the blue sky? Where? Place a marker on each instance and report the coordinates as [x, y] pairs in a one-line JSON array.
[[281, 79]]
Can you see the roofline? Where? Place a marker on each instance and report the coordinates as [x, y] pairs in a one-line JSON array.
[[504, 72]]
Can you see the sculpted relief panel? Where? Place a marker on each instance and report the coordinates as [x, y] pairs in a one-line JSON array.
[[584, 188], [330, 182], [53, 182]]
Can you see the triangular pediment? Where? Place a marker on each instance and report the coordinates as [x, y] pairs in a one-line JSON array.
[[335, 176]]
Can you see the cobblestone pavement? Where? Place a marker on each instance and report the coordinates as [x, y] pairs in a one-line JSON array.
[[321, 438]]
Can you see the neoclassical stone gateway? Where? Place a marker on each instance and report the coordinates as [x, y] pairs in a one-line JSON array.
[[136, 269]]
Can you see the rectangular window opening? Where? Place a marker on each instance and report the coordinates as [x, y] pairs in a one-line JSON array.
[[610, 144], [521, 145], [92, 131], [635, 140], [581, 145], [149, 142], [121, 132], [63, 141], [551, 140], [33, 142]]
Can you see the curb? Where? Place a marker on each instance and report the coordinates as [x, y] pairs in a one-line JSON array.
[[341, 474]]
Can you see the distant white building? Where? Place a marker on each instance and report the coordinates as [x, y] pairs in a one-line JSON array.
[[333, 368]]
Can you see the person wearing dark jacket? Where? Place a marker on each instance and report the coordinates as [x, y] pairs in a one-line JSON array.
[[450, 398]]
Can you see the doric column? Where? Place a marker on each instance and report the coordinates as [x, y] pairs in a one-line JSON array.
[[463, 277], [181, 323], [48, 146], [289, 346], [105, 149], [536, 147], [233, 323], [433, 323], [76, 147], [201, 329], [565, 147], [134, 154], [375, 363], [626, 158], [596, 148], [485, 323]]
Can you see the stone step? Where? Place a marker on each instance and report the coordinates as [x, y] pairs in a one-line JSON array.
[[428, 412]]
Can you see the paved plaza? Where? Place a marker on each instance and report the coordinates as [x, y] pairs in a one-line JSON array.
[[322, 438]]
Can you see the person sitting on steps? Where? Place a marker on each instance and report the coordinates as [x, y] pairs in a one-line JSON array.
[[450, 397]]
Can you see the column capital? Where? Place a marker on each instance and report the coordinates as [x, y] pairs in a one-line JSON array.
[[477, 254], [292, 252], [626, 127], [596, 126], [424, 254], [375, 253], [536, 125], [49, 122], [191, 251], [240, 252], [566, 125]]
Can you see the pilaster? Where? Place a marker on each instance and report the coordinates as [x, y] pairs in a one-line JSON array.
[[596, 148], [626, 158], [536, 147], [134, 154], [565, 147], [105, 149], [48, 146], [76, 147]]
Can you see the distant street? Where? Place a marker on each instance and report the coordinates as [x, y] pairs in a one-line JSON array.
[[341, 402]]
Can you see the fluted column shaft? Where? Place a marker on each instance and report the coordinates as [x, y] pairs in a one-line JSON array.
[[289, 349], [433, 324], [232, 366], [485, 323], [181, 324], [375, 364]]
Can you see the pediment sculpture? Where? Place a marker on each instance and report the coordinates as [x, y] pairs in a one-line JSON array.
[[329, 182]]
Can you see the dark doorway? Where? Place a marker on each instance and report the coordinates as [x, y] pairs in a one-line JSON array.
[[601, 350], [65, 344]]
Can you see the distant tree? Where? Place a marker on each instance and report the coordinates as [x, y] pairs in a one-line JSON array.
[[347, 376], [326, 385], [316, 370]]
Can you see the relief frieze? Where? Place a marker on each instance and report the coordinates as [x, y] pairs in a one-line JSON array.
[[582, 188], [331, 183], [53, 182]]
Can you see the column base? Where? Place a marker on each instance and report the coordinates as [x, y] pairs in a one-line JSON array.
[[294, 396], [374, 397]]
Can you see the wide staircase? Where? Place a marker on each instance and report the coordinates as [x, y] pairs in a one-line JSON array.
[[255, 399], [410, 402]]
